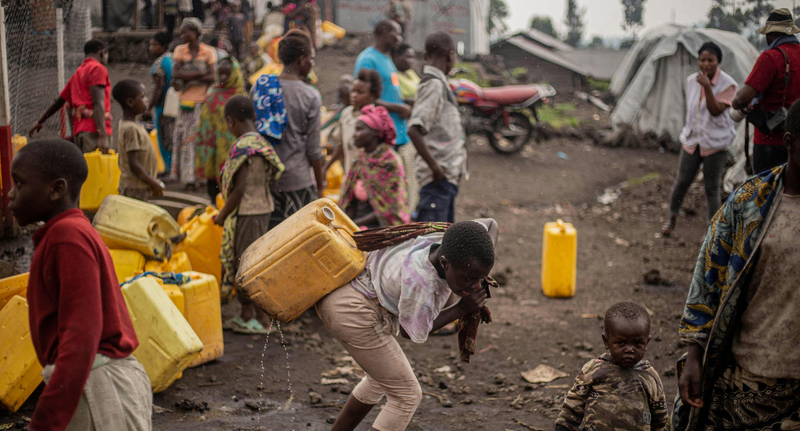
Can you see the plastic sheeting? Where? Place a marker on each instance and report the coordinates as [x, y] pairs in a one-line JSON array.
[[650, 82]]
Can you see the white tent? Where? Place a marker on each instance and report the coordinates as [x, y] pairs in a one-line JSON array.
[[650, 82]]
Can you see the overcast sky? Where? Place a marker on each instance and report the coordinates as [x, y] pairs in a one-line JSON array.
[[604, 17]]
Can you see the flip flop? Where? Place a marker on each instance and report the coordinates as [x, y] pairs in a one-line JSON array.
[[252, 327], [668, 227], [233, 323], [449, 329]]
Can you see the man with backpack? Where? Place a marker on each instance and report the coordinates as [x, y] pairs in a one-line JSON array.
[[771, 88]]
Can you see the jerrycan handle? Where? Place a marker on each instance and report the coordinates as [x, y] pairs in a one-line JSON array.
[[326, 216], [561, 227]]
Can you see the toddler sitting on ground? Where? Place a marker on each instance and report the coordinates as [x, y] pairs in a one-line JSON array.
[[618, 390]]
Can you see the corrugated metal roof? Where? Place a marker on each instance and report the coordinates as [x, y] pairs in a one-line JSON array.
[[601, 63], [546, 40], [545, 54]]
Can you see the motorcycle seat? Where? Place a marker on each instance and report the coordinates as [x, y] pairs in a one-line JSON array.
[[510, 94], [484, 105]]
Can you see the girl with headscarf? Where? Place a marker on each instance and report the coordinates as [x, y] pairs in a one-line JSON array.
[[192, 73], [375, 190], [708, 133], [213, 138]]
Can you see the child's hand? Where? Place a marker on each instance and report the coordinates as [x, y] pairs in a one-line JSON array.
[[473, 302], [219, 220]]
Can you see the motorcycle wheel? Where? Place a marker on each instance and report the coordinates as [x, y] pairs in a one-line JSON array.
[[510, 139]]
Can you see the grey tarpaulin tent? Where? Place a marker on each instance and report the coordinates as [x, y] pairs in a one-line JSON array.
[[650, 82]]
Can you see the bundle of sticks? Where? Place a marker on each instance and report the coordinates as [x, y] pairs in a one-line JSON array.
[[380, 238]]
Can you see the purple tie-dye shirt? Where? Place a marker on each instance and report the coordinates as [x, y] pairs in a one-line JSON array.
[[406, 284]]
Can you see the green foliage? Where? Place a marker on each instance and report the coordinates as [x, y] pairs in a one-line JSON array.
[[634, 11], [627, 43], [498, 12], [556, 116], [599, 84], [574, 23], [597, 42], [543, 24], [468, 71], [519, 73], [740, 15]]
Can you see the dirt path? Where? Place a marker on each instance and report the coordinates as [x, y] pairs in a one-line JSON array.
[[617, 246]]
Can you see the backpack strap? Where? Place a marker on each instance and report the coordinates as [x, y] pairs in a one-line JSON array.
[[427, 77], [785, 76]]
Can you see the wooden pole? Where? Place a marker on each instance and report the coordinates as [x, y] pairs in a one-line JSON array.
[[60, 67], [10, 228], [136, 15], [160, 19]]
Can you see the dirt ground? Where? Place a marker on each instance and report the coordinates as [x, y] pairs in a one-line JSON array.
[[267, 383]]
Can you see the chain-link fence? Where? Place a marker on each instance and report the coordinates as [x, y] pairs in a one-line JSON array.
[[33, 46]]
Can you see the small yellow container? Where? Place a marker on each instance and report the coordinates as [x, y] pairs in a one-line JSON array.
[[559, 259], [17, 142], [167, 343], [219, 201], [130, 224], [301, 260], [202, 311], [329, 27], [20, 371], [127, 263], [159, 158], [334, 177], [14, 285], [178, 263], [203, 243], [103, 179]]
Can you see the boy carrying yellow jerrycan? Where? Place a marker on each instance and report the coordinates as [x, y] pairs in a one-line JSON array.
[[559, 259]]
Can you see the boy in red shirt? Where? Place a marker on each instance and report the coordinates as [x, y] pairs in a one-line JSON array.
[[88, 93], [80, 327]]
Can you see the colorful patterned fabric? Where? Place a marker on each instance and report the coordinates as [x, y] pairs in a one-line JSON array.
[[377, 118], [248, 145], [213, 138], [383, 176], [270, 109], [608, 397], [744, 401], [713, 309]]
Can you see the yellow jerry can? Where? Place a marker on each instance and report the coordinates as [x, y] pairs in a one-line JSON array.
[[159, 158], [202, 311], [103, 179], [14, 285], [178, 263], [17, 142], [20, 371], [203, 243], [131, 224], [175, 295], [167, 343], [301, 260], [335, 179], [127, 263], [188, 213], [559, 259]]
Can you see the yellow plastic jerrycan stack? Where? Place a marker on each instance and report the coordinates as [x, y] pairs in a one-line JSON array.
[[178, 263], [11, 286], [127, 263], [130, 224], [103, 179], [203, 243], [301, 260], [334, 178], [167, 343], [159, 158], [20, 372], [202, 311], [188, 213], [559, 259]]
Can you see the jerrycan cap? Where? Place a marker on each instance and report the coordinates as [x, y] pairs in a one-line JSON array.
[[561, 226], [326, 215]]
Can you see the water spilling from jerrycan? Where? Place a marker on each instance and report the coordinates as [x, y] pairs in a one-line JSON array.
[[288, 367]]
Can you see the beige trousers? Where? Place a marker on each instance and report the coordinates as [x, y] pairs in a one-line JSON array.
[[363, 328], [117, 397]]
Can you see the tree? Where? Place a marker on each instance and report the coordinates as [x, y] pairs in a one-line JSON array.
[[597, 42], [574, 23], [738, 15], [634, 11], [498, 11], [543, 24]]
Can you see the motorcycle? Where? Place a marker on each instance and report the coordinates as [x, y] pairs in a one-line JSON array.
[[499, 112]]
